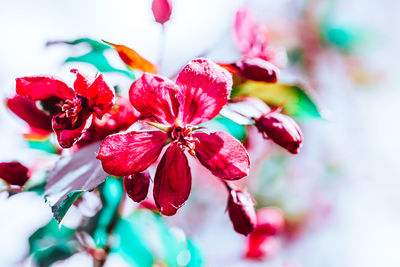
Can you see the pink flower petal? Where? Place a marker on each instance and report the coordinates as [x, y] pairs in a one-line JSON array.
[[42, 87], [104, 98], [82, 84], [205, 89], [101, 96], [137, 185], [246, 32], [162, 10], [154, 97], [172, 182], [125, 154], [27, 110], [222, 154], [67, 135], [14, 173]]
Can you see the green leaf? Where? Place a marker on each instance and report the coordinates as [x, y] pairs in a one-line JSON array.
[[44, 145], [73, 174], [95, 56], [145, 239], [344, 38], [196, 259], [295, 99], [60, 211], [131, 243], [50, 244], [111, 192], [221, 123]]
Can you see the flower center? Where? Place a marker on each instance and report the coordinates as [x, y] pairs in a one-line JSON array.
[[182, 137], [72, 107]]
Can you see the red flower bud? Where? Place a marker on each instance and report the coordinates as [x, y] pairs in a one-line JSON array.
[[137, 185], [14, 173], [257, 69], [281, 129], [263, 241], [241, 210], [162, 10], [270, 221]]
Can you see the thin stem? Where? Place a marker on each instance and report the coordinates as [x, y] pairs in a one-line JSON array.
[[162, 46]]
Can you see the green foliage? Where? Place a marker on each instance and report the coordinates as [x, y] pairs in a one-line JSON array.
[[111, 192], [295, 99], [72, 175], [221, 123], [50, 244], [144, 239], [44, 145], [95, 56]]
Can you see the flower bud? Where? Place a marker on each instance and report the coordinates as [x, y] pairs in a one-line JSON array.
[[137, 185], [263, 241], [241, 210], [14, 173], [281, 129], [270, 221], [257, 69], [162, 10]]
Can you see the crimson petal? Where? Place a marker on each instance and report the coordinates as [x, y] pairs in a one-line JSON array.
[[27, 110], [222, 154], [172, 182], [205, 89], [154, 96], [42, 87], [125, 154], [67, 135]]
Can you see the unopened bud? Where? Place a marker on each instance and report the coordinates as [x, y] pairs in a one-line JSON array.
[[14, 173], [281, 129], [241, 210], [137, 185], [257, 69], [162, 10]]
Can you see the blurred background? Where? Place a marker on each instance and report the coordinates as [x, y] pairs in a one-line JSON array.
[[344, 181]]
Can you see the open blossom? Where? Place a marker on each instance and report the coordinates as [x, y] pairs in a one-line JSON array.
[[119, 118], [162, 10], [71, 109], [252, 41], [201, 90], [14, 173]]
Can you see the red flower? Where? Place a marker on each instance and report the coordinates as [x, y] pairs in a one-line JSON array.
[[71, 109], [162, 10], [201, 90], [14, 173], [252, 41], [119, 118], [241, 209], [262, 241], [27, 110]]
